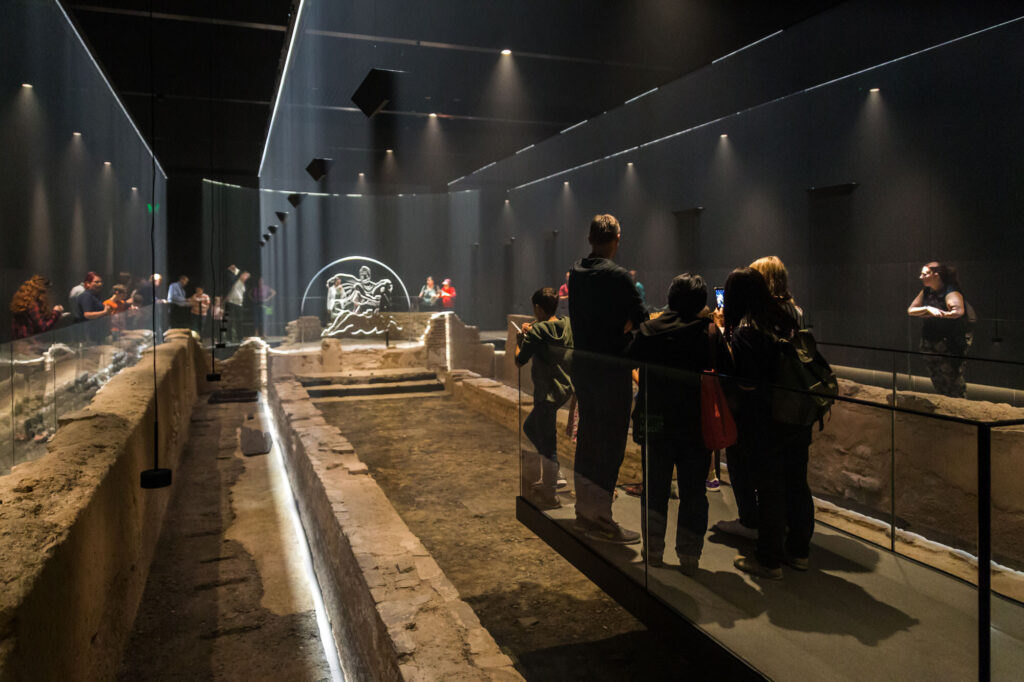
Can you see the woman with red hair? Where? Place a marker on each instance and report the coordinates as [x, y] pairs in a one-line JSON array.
[[30, 309]]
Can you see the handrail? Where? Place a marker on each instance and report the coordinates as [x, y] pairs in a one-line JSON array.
[[835, 344]]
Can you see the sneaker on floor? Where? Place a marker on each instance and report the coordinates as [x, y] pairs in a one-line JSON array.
[[799, 563], [734, 527], [713, 485], [751, 565], [688, 565], [560, 482], [613, 533]]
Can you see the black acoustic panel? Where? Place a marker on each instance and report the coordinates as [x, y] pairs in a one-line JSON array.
[[318, 168], [376, 91]]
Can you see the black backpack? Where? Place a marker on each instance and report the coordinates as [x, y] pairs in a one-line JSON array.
[[805, 385]]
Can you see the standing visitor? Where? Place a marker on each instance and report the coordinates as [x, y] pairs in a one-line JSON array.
[[447, 295], [200, 304], [946, 329], [235, 303], [604, 307], [180, 306], [429, 295]]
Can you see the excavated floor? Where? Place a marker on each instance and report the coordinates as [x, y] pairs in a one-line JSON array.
[[226, 597]]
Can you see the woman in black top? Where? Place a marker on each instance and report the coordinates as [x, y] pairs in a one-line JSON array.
[[754, 323], [945, 330]]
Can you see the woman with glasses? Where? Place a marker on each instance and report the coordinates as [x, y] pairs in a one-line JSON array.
[[945, 330]]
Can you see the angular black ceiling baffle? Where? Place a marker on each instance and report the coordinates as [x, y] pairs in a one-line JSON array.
[[295, 199], [318, 168], [281, 216], [376, 91]]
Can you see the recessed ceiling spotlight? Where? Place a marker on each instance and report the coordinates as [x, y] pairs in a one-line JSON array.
[[26, 85], [433, 115], [506, 201], [566, 183], [874, 90], [362, 175], [77, 134], [390, 151], [506, 52], [630, 164], [135, 189], [723, 136], [106, 163]]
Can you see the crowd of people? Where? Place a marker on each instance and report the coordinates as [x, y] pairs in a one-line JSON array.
[[593, 355], [33, 313]]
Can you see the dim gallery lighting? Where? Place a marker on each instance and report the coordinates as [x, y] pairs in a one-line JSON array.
[[723, 136], [106, 163], [629, 163], [135, 189], [873, 90], [27, 85], [389, 151], [432, 115], [362, 175], [506, 52], [506, 201], [76, 134], [566, 183]]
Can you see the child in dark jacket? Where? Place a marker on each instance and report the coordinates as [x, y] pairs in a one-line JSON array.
[[548, 342], [675, 348]]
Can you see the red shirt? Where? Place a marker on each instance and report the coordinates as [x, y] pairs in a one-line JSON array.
[[33, 321], [448, 297]]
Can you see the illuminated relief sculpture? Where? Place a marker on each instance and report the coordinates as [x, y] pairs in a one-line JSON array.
[[359, 305]]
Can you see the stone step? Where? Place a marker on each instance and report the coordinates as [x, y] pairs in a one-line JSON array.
[[377, 376], [423, 386]]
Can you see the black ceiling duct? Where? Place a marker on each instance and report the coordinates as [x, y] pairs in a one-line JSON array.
[[295, 199], [377, 89]]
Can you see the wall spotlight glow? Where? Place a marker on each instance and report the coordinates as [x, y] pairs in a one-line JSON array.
[[390, 151], [506, 201], [77, 134], [506, 52], [630, 164], [27, 85], [566, 183], [135, 189], [106, 163], [432, 115], [362, 175], [723, 136], [873, 90]]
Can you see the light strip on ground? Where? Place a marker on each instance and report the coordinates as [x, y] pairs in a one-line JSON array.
[[103, 75], [772, 101], [306, 556], [280, 86]]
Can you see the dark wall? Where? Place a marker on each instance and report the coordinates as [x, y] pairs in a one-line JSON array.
[[63, 211]]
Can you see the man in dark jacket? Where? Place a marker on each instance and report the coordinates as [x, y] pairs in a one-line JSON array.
[[675, 349], [604, 307], [548, 342]]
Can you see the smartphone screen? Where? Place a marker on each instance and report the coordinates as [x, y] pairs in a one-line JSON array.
[[719, 297]]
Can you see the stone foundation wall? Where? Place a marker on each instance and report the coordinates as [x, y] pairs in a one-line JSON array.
[[77, 533], [394, 614]]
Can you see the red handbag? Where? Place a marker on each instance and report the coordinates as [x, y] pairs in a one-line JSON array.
[[717, 424]]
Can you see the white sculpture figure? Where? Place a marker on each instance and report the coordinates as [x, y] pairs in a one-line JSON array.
[[359, 305]]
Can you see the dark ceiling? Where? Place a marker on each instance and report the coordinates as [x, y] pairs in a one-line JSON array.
[[215, 66]]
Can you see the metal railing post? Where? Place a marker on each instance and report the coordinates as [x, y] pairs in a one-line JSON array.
[[984, 552]]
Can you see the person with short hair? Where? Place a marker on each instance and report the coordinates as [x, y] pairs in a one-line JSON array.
[[447, 294], [548, 342], [675, 347], [200, 304], [946, 328], [604, 307], [89, 304], [234, 302], [180, 306]]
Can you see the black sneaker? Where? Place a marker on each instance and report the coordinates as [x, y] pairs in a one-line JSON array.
[[613, 533]]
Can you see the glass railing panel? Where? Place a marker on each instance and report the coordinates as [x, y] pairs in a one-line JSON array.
[[6, 412], [32, 405], [1006, 598]]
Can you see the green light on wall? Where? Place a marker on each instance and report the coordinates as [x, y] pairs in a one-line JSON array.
[[149, 208]]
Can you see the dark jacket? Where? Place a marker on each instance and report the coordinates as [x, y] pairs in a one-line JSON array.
[[675, 351], [549, 345], [602, 298]]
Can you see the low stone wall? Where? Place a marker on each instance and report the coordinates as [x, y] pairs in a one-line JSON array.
[[77, 533], [394, 614]]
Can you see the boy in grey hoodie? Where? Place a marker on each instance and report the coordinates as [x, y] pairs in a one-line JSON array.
[[548, 342]]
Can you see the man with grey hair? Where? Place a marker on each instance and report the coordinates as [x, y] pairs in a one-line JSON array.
[[604, 307]]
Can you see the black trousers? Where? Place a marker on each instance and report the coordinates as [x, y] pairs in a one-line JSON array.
[[742, 458], [661, 454], [605, 394], [539, 426], [785, 507]]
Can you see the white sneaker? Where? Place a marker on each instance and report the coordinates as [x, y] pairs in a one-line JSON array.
[[734, 527]]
